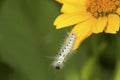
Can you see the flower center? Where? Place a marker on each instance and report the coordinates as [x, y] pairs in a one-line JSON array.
[[100, 8]]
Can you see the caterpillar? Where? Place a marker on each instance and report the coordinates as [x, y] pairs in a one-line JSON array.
[[64, 52]]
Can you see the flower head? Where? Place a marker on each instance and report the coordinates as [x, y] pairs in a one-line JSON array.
[[88, 17]]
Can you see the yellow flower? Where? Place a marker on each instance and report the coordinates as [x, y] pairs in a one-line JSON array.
[[89, 16]]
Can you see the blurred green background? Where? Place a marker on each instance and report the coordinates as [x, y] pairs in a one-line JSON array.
[[29, 42]]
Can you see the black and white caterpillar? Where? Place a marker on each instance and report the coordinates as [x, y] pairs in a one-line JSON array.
[[64, 52]]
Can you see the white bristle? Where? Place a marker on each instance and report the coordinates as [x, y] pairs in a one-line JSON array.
[[64, 52]]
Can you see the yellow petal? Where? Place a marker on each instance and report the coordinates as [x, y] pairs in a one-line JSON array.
[[100, 25], [82, 31], [113, 24], [60, 1], [76, 1], [68, 8], [65, 20]]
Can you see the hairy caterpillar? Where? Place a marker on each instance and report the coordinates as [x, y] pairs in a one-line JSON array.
[[64, 52]]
